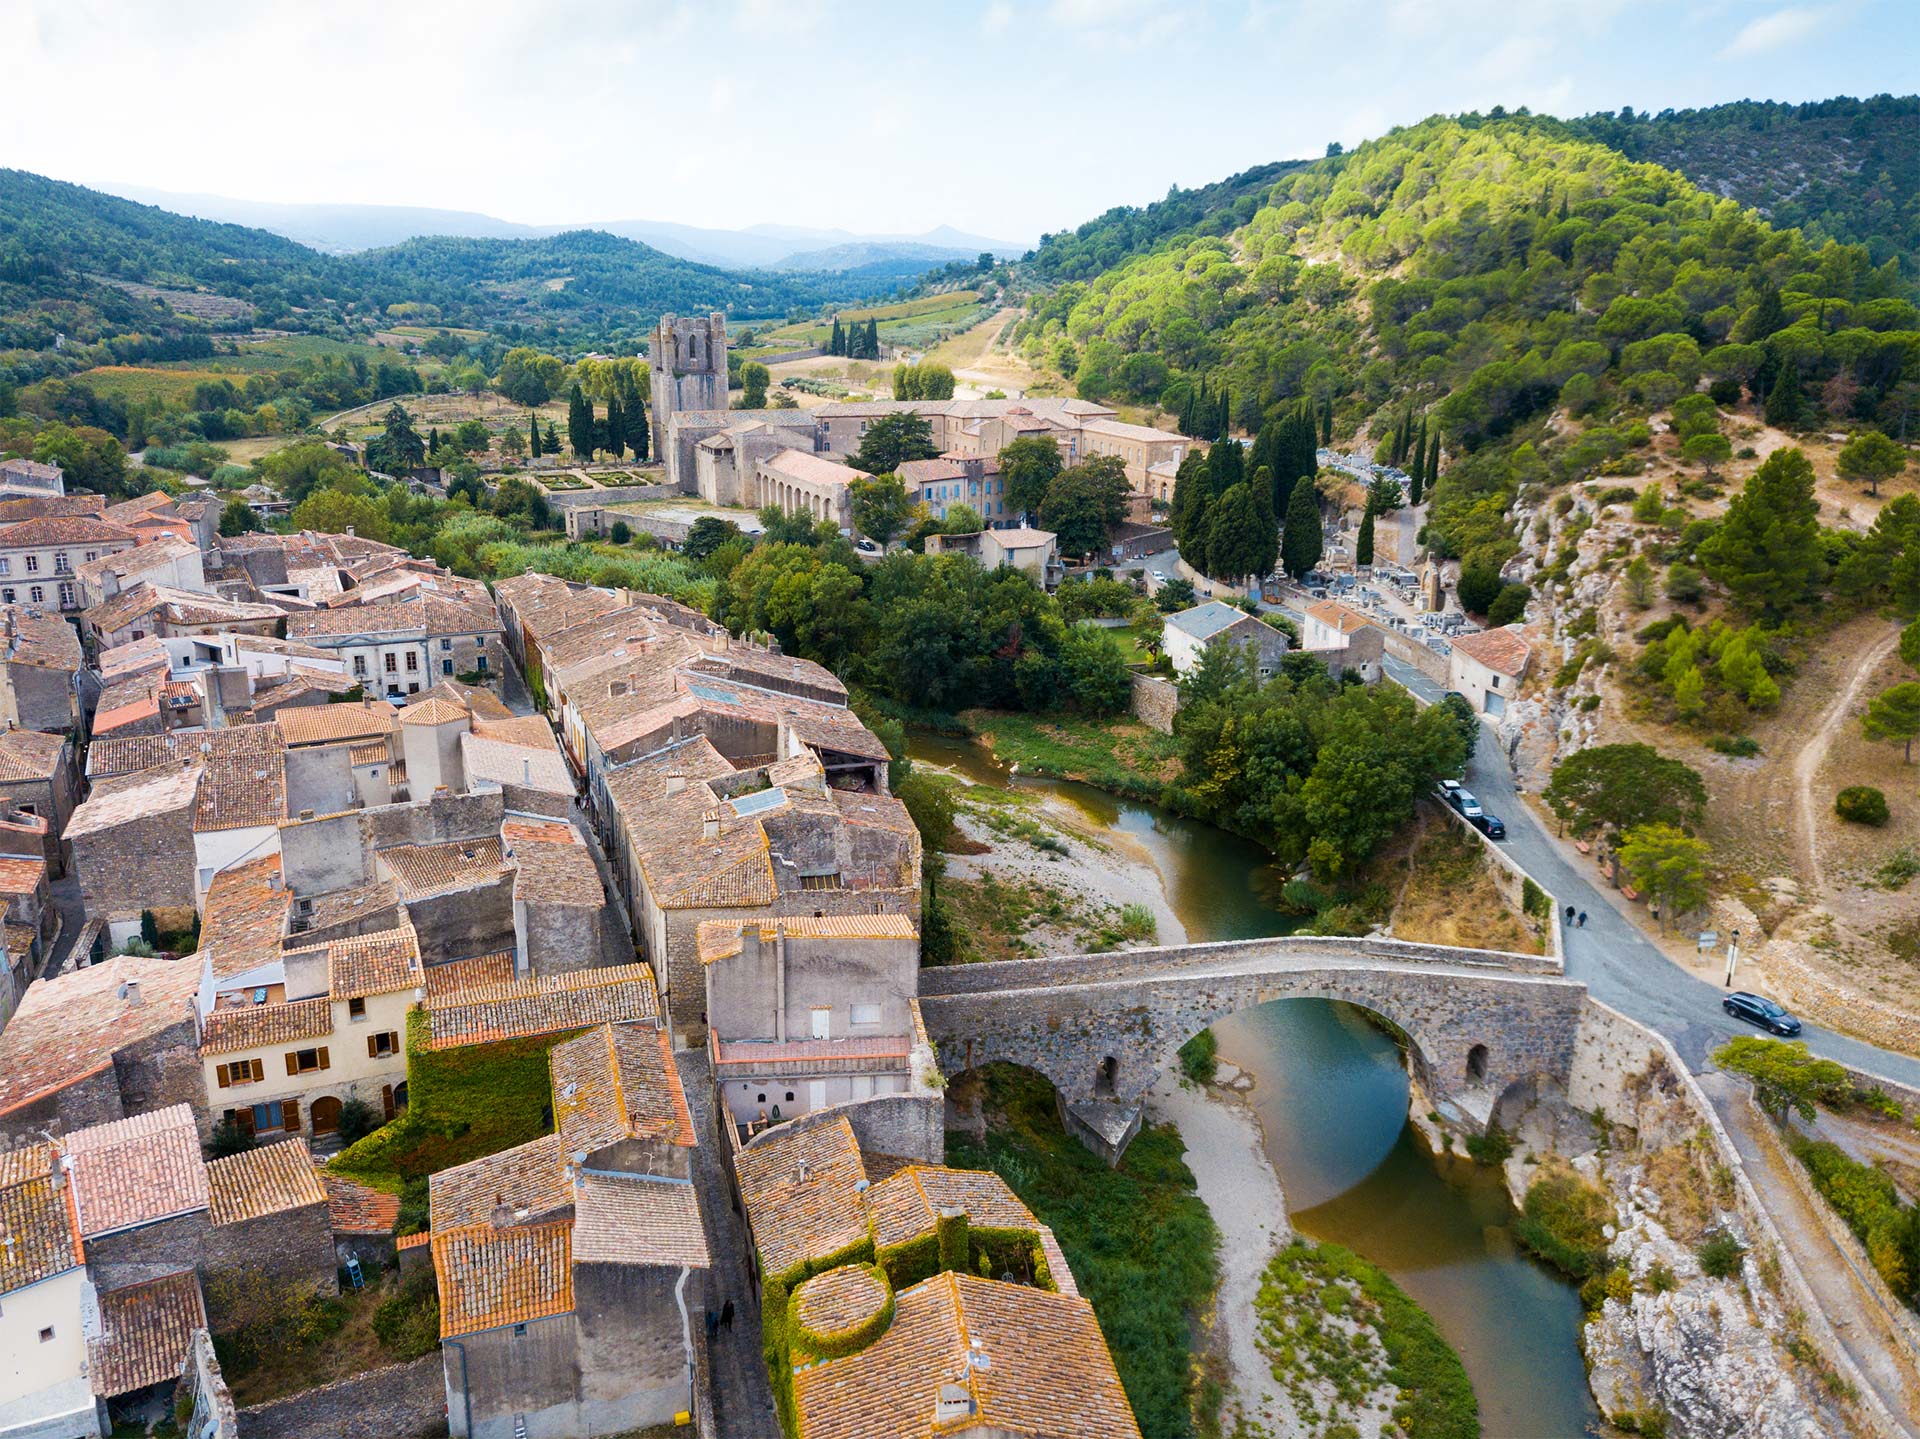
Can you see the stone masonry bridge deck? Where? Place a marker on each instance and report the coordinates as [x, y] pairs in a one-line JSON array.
[[1101, 1027]]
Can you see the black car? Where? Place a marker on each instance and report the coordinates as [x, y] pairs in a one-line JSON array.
[[1756, 1009], [1490, 825]]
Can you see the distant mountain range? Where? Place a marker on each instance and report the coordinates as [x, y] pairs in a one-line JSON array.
[[347, 229]]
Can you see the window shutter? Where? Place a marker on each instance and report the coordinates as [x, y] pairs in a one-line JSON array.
[[220, 1073], [259, 1070], [245, 1120], [290, 1112], [373, 1049], [293, 1062], [323, 1056], [386, 1099]]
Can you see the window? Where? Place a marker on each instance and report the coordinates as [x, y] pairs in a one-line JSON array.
[[414, 688], [46, 1335], [446, 667], [356, 1009], [864, 1014], [276, 1114], [360, 665], [7, 595], [413, 662], [92, 555], [820, 881], [392, 663], [383, 1044], [239, 1071], [446, 644], [6, 565], [306, 1061], [519, 1331], [33, 564], [822, 1022], [61, 564], [481, 664], [66, 597], [37, 595]]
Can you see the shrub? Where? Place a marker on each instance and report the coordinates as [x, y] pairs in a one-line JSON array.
[[1900, 866], [1492, 1148], [1737, 746], [1562, 1221], [358, 1119], [1509, 605], [1661, 1279], [1200, 1057], [1861, 804], [1616, 1283], [1720, 1255], [407, 1321], [229, 1138]]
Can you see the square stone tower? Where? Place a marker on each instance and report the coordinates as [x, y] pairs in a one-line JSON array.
[[688, 361]]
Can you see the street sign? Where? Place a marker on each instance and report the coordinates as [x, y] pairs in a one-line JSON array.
[[1708, 939]]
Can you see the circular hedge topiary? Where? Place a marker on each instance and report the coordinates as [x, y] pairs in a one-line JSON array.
[[1861, 804]]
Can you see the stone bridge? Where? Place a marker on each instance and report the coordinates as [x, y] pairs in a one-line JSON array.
[[1102, 1027]]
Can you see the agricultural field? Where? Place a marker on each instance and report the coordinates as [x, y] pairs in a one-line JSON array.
[[144, 382], [921, 321]]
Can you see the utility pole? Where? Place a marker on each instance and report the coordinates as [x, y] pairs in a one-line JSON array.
[[1733, 956]]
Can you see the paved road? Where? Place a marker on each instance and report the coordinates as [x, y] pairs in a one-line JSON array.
[[1618, 963]]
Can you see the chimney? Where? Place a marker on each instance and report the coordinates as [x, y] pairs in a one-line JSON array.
[[349, 531], [676, 783], [954, 1401], [710, 824], [130, 992]]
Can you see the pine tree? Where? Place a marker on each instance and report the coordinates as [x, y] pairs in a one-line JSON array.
[[551, 444], [533, 435], [1564, 211], [1783, 406], [638, 440], [1767, 316], [1300, 544], [615, 428], [1363, 546]]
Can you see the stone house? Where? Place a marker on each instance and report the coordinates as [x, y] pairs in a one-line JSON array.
[[169, 561], [40, 776], [132, 848], [39, 657], [1035, 553], [534, 607], [1188, 634], [31, 478], [563, 1264], [1343, 639], [98, 1044], [1488, 667], [403, 648], [145, 609], [39, 558], [45, 1296], [952, 480], [800, 482], [558, 902]]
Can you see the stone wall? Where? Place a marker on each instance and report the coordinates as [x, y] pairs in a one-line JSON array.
[[212, 1416], [1799, 982], [402, 1401], [94, 1099], [292, 1248], [144, 863], [1154, 702]]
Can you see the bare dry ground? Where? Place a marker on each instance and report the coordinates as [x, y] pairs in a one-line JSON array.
[[1447, 894]]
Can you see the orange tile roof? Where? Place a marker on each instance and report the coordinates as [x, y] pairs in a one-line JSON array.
[[122, 799], [413, 1241], [21, 876], [145, 1332], [483, 971], [802, 1193], [245, 917], [562, 873], [493, 1277], [245, 784], [721, 938], [356, 1209], [427, 869], [383, 963], [634, 1219], [618, 1082], [433, 710], [228, 1029], [37, 1219], [332, 723], [264, 1180], [514, 829], [134, 1171], [978, 1335], [1337, 616], [1504, 650], [68, 1028], [543, 1004], [529, 1180], [906, 1203]]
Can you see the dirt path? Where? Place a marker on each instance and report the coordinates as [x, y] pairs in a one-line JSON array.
[[1872, 1338], [1806, 764]]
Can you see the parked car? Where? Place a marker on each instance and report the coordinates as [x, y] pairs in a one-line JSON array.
[[1757, 1009], [1490, 825], [1160, 576], [1463, 801], [1447, 787]]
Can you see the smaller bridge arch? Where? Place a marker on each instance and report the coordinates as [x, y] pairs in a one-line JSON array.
[[1102, 1027]]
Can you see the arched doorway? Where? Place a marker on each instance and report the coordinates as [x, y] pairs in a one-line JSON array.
[[326, 1115], [1477, 1064]]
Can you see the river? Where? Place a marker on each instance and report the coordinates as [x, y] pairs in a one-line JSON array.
[[1331, 1096]]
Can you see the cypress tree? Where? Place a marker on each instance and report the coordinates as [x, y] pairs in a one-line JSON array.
[[1326, 421], [1363, 547], [616, 428], [837, 343], [1433, 462], [638, 440], [1226, 466], [1226, 415], [533, 435], [580, 424], [1300, 537], [551, 444], [433, 439], [1416, 485], [873, 339]]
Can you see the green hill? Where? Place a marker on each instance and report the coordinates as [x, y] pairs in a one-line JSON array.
[[1840, 169], [1489, 268]]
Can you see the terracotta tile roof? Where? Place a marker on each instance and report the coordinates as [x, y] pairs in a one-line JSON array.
[[134, 657], [802, 1193], [138, 752], [373, 752], [529, 1180], [44, 641], [37, 1222], [265, 1180], [978, 1335], [632, 1219], [515, 829], [68, 1028], [721, 938], [425, 869], [1337, 616], [484, 971], [227, 1030], [356, 1209], [433, 711], [244, 917], [514, 762], [479, 702], [135, 1171], [492, 1277], [64, 530], [546, 605], [906, 1203], [121, 799], [523, 731], [332, 723], [618, 1082], [28, 754], [145, 1332], [414, 1241], [1504, 650], [561, 873], [430, 616], [820, 1056], [155, 554], [543, 1004], [21, 876], [177, 606], [385, 962], [839, 1299]]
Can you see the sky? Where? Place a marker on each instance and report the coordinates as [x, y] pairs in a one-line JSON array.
[[1007, 118]]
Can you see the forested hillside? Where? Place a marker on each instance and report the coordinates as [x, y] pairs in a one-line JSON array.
[[1840, 169], [80, 264]]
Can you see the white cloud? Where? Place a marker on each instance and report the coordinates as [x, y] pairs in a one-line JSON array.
[[998, 17], [1770, 32]]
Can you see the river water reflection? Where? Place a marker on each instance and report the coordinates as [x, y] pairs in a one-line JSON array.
[[1332, 1099]]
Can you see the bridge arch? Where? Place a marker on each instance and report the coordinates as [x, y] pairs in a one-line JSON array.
[[1101, 1028]]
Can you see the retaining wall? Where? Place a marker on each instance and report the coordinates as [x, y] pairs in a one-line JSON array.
[[402, 1401], [1154, 702], [1816, 995]]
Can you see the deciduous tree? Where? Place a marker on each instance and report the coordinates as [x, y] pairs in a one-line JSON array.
[[1668, 865], [1027, 467], [881, 508]]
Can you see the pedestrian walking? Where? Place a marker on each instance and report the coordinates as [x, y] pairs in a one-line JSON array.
[[1583, 919], [1569, 914], [726, 1315]]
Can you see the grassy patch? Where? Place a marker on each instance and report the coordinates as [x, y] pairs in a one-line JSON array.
[[1328, 1317], [280, 1342], [1139, 1240], [1562, 1222], [1449, 897], [462, 1104], [1122, 757]]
